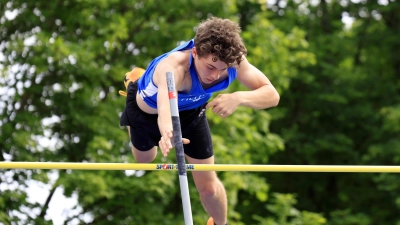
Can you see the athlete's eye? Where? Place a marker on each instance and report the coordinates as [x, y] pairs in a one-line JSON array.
[[211, 68]]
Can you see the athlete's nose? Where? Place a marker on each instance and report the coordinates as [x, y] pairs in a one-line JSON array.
[[216, 74]]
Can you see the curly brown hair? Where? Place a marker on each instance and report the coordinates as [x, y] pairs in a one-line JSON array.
[[220, 37]]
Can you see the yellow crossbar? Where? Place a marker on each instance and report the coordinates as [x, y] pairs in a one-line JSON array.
[[199, 167]]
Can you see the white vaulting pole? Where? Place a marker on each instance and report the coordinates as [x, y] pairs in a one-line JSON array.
[[180, 155]]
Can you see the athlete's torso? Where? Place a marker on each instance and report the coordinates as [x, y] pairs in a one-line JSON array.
[[192, 94]]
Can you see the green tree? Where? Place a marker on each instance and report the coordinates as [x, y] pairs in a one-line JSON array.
[[343, 110]]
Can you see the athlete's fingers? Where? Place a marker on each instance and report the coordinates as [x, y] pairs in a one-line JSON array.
[[167, 139], [185, 141], [161, 145], [211, 104], [165, 143]]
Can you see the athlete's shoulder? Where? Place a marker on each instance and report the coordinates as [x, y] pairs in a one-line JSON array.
[[179, 59], [177, 62]]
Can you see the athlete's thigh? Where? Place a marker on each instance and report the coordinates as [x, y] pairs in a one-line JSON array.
[[200, 146], [203, 179]]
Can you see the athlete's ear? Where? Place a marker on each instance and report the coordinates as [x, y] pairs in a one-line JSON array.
[[194, 52]]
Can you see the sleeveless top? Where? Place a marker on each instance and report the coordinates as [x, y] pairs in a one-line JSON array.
[[196, 97]]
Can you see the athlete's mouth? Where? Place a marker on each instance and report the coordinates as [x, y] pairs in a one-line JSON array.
[[209, 80]]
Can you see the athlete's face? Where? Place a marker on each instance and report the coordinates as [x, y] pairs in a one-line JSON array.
[[209, 68]]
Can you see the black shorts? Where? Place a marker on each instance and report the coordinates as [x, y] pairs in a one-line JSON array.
[[145, 133]]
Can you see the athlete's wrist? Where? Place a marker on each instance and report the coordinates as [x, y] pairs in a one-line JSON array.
[[238, 96]]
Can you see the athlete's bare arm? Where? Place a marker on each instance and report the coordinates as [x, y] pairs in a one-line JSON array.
[[262, 93], [176, 63]]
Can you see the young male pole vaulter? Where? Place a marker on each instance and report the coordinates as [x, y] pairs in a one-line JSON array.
[[206, 64]]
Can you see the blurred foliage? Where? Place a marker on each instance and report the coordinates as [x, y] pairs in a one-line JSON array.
[[343, 110], [62, 64]]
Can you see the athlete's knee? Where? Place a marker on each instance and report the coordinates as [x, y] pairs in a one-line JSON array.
[[144, 156], [210, 188]]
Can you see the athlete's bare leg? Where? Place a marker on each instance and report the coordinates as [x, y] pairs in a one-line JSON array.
[[211, 190], [143, 156]]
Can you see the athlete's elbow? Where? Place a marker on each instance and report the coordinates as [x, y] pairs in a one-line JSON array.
[[276, 99], [272, 100], [271, 96]]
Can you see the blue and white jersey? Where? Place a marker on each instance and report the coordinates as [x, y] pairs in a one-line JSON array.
[[195, 98]]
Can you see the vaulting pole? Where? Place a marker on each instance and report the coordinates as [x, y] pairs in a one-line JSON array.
[[180, 154]]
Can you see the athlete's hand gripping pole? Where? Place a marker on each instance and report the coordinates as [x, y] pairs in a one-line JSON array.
[[180, 155]]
